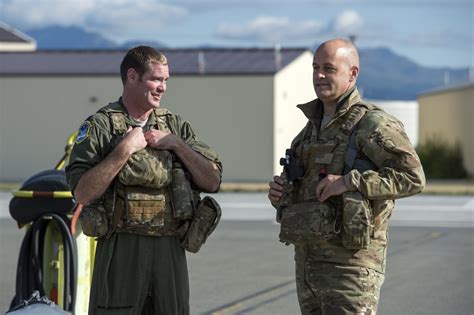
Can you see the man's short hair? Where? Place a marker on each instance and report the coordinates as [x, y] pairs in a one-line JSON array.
[[139, 58]]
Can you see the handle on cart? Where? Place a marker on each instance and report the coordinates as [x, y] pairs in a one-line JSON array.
[[46, 194], [67, 149]]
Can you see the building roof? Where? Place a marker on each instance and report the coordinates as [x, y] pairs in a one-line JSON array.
[[6, 36], [208, 61], [10, 35], [445, 89]]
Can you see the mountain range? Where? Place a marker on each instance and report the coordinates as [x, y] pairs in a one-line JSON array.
[[385, 75], [72, 37]]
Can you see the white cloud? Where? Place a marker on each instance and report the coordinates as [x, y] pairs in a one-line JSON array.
[[115, 19], [347, 23], [281, 29], [269, 29], [28, 13]]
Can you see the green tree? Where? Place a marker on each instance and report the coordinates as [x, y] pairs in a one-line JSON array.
[[441, 160]]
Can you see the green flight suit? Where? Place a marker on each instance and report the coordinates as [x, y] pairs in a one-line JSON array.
[[135, 273]]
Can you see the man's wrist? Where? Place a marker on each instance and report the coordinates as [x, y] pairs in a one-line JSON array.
[[178, 146], [351, 180]]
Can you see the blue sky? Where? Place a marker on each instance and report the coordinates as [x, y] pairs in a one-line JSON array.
[[430, 32]]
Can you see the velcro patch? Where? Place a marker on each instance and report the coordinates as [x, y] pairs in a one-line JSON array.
[[84, 132]]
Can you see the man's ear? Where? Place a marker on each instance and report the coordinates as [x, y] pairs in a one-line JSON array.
[[354, 73], [132, 75]]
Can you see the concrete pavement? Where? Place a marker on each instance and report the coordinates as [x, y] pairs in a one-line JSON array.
[[243, 269]]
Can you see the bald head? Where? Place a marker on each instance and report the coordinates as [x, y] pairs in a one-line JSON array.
[[335, 70], [341, 48]]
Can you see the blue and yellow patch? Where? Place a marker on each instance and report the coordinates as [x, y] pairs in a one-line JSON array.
[[84, 132]]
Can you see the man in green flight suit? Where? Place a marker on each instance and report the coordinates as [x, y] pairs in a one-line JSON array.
[[336, 193], [122, 169]]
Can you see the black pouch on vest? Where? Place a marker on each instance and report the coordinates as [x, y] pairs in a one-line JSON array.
[[203, 223], [181, 194], [356, 221]]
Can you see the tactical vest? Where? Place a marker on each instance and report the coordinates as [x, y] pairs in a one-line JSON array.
[[325, 156], [306, 220], [141, 191], [152, 193]]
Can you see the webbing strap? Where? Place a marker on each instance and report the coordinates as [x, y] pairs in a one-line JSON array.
[[119, 126], [351, 152]]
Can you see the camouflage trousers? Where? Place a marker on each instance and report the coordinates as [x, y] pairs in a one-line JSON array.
[[331, 289], [136, 274]]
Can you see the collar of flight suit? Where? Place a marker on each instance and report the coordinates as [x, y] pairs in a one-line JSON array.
[[152, 119]]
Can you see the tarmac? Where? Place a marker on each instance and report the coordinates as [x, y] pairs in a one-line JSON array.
[[243, 269]]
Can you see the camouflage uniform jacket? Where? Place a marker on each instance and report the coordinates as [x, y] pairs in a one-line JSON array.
[[97, 139], [398, 173]]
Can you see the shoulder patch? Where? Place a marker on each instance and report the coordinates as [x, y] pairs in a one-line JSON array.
[[84, 132]]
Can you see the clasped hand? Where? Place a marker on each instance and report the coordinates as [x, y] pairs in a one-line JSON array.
[[331, 185], [135, 139]]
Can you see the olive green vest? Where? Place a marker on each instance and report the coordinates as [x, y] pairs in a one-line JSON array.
[[141, 197]]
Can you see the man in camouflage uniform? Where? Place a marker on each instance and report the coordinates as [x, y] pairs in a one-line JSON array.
[[336, 193], [120, 169]]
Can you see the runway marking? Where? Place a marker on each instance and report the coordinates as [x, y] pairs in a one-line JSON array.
[[255, 300]]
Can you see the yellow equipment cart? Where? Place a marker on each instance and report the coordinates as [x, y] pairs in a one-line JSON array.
[[55, 258]]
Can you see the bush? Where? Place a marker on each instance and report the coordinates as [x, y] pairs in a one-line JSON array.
[[441, 160]]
